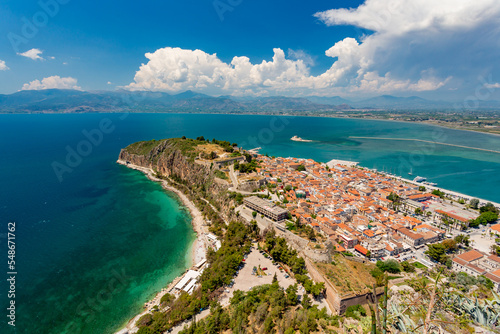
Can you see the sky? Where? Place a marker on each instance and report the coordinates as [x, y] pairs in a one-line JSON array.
[[443, 50]]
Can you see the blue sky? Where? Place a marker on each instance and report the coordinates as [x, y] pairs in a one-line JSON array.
[[319, 48]]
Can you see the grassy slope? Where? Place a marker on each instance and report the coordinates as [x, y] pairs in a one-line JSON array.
[[348, 276]]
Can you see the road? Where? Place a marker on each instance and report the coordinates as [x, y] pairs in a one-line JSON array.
[[421, 257], [217, 211], [246, 213], [233, 177]]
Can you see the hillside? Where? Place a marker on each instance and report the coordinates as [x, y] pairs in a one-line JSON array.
[[347, 276], [76, 101], [66, 101]]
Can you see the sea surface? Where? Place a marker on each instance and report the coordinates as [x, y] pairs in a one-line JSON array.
[[95, 240]]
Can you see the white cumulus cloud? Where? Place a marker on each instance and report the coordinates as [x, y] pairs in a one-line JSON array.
[[3, 66], [53, 82], [32, 54], [400, 46], [416, 45], [175, 69]]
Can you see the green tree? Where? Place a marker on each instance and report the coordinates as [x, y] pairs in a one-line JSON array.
[[490, 216], [421, 188], [488, 207], [166, 299], [484, 218], [306, 301], [393, 197], [437, 252], [301, 168], [391, 266], [474, 203], [254, 214], [291, 295], [318, 289], [408, 267], [355, 311], [311, 234], [463, 239], [438, 192]]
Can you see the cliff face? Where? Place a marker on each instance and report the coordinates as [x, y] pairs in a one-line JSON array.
[[172, 160], [167, 160]]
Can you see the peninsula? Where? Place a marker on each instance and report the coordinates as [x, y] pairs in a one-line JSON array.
[[291, 239]]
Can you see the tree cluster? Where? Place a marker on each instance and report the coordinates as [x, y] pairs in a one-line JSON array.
[[263, 309], [313, 288], [279, 251], [484, 218], [438, 252], [438, 192], [247, 167], [227, 146]]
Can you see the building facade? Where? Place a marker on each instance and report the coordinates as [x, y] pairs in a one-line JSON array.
[[266, 208]]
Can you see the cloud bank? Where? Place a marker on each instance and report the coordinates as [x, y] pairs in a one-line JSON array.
[[401, 46], [53, 82]]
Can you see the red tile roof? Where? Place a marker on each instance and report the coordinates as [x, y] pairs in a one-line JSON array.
[[470, 255], [361, 249]]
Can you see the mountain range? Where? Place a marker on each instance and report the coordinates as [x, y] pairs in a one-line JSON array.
[[68, 101]]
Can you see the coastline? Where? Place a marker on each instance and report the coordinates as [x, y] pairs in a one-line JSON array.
[[271, 114], [198, 247], [452, 193]]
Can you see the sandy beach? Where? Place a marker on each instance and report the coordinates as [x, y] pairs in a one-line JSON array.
[[198, 249]]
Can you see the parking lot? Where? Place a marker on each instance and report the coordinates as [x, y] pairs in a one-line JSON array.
[[244, 281]]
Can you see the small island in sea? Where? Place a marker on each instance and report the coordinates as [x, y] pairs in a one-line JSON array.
[[283, 239], [296, 138]]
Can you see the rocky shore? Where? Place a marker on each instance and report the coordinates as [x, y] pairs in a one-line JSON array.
[[198, 248]]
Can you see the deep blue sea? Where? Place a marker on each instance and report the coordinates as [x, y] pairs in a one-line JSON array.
[[95, 240]]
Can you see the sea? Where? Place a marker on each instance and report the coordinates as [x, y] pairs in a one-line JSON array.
[[95, 240]]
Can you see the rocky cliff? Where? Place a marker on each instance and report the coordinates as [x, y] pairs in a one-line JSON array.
[[173, 159]]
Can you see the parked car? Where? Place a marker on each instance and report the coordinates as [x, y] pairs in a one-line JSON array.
[[265, 268]]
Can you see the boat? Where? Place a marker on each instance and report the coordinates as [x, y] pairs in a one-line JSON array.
[[297, 138], [419, 179], [429, 183], [410, 172]]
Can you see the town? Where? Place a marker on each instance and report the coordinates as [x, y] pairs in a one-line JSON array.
[[368, 214], [335, 238]]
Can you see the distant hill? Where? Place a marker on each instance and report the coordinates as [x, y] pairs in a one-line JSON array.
[[394, 102], [67, 101], [333, 100], [75, 101]]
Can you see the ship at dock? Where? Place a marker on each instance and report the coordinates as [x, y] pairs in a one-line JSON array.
[[419, 179]]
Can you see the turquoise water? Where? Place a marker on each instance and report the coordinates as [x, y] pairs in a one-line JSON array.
[[96, 243]]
